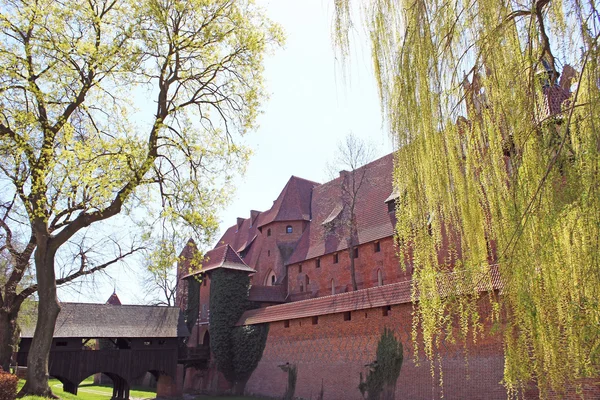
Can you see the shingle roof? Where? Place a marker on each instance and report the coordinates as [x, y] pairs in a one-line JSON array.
[[267, 294], [395, 293], [372, 217], [88, 320], [221, 257], [293, 203], [114, 300]]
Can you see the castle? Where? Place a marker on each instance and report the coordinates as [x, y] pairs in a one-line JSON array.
[[323, 318], [297, 253]]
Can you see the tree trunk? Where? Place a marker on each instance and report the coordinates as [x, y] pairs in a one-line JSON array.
[[352, 270], [8, 330], [48, 309]]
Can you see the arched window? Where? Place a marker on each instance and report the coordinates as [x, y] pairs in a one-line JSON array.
[[288, 229], [332, 287], [270, 279], [301, 287], [379, 278]]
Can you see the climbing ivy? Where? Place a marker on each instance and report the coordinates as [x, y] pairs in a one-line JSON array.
[[193, 303], [380, 383], [237, 350]]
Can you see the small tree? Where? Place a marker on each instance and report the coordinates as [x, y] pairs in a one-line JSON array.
[[380, 383]]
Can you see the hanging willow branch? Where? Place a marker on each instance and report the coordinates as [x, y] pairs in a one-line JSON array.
[[498, 165]]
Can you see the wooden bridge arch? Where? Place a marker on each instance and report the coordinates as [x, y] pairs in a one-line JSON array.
[[129, 341]]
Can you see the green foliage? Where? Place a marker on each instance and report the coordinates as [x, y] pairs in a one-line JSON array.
[[384, 372], [248, 345], [193, 302], [237, 350], [484, 167]]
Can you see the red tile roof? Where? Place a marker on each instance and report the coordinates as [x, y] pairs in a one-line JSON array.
[[372, 217], [221, 257], [293, 203], [395, 293]]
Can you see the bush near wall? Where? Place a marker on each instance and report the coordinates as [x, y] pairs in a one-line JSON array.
[[8, 385]]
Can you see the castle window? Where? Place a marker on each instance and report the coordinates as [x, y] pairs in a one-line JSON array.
[[268, 253], [335, 258], [288, 229], [356, 252], [307, 282], [347, 316], [379, 278], [204, 281], [385, 310], [315, 320], [318, 263], [269, 232], [332, 287], [301, 287], [377, 247], [270, 279], [286, 323], [299, 268]]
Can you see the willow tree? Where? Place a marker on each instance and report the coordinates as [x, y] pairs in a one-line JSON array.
[[76, 152], [494, 107]]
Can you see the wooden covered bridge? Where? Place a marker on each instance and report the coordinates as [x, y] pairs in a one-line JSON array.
[[121, 341]]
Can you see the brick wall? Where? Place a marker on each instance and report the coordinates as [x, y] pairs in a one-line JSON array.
[[367, 265], [333, 352], [275, 249]]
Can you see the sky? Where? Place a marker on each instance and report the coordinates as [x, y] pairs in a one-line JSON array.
[[312, 107]]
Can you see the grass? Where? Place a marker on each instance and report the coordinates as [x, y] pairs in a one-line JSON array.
[[88, 391]]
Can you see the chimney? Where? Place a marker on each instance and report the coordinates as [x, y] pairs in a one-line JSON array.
[[343, 173]]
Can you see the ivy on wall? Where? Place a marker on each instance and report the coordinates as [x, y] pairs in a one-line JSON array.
[[237, 350], [193, 303]]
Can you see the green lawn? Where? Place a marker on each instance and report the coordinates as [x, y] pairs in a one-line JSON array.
[[88, 391]]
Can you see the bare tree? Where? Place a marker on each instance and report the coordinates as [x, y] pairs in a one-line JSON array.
[[351, 156]]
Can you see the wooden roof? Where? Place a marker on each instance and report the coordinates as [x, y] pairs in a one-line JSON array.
[[87, 320]]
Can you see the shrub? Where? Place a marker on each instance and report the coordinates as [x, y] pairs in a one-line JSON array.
[[8, 385]]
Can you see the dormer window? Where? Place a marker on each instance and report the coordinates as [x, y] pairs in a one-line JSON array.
[[288, 229], [391, 206]]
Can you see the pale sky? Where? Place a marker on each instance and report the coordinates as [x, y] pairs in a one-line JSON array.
[[311, 108]]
